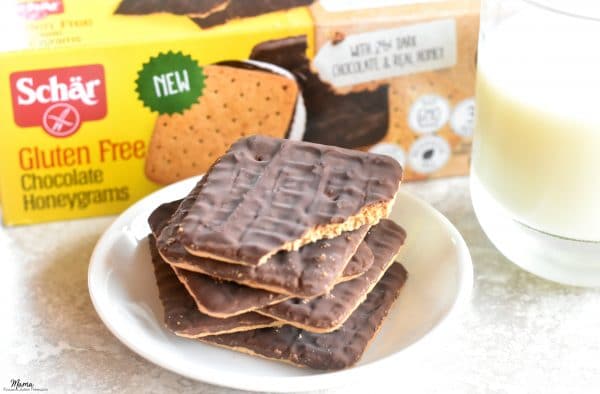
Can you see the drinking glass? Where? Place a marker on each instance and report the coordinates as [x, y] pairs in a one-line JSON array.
[[535, 173]]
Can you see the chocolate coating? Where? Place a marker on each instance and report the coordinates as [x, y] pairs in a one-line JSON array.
[[159, 218], [225, 299], [181, 316], [327, 312], [359, 263], [348, 120], [336, 350], [245, 8], [243, 65], [179, 7], [267, 193]]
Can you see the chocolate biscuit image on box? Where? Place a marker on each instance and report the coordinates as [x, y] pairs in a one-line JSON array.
[[299, 273], [267, 195], [178, 7], [349, 120], [329, 311], [236, 9], [236, 101], [180, 313], [332, 351]]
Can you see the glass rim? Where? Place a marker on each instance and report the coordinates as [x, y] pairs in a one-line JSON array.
[[566, 10]]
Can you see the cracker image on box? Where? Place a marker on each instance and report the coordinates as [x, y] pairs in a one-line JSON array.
[[331, 351], [237, 100], [267, 195]]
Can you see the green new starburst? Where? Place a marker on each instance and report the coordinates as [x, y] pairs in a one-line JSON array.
[[170, 83]]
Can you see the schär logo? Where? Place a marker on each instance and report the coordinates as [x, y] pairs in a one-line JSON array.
[[58, 99], [35, 10]]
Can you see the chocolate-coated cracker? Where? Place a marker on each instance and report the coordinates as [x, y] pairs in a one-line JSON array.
[[225, 299], [222, 299], [336, 350], [348, 120], [360, 262], [179, 7], [160, 216], [298, 273], [181, 316], [268, 194], [329, 311], [244, 8]]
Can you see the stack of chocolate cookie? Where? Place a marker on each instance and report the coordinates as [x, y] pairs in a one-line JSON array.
[[282, 250]]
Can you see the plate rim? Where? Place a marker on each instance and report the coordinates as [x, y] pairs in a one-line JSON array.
[[319, 381]]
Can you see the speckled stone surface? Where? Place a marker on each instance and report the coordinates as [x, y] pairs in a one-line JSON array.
[[519, 335]]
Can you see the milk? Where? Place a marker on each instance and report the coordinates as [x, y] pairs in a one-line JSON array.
[[537, 142]]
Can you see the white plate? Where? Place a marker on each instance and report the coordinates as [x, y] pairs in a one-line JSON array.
[[123, 290]]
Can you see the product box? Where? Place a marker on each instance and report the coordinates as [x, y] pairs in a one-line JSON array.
[[103, 101]]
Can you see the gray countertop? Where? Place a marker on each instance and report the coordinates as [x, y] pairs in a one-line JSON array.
[[519, 334]]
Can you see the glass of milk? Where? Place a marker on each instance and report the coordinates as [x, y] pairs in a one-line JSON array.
[[535, 177]]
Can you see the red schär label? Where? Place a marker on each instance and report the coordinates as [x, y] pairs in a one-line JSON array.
[[36, 10], [58, 99]]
